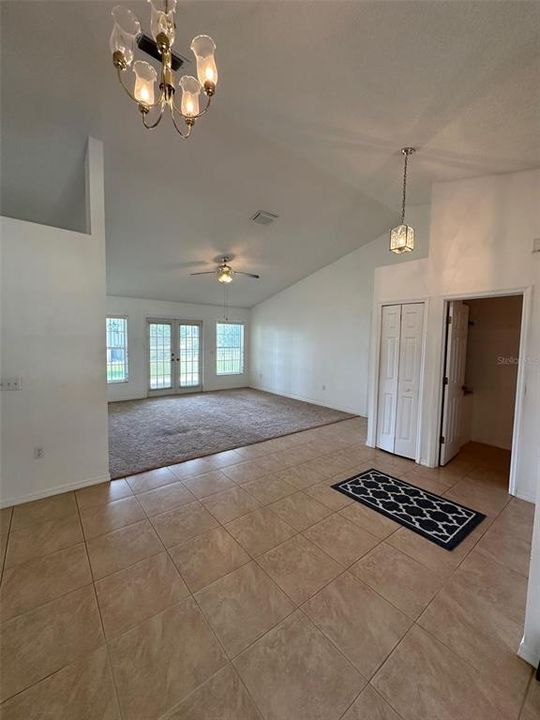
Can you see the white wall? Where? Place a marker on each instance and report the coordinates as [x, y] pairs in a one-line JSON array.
[[481, 238], [492, 352], [530, 645], [316, 333], [138, 310], [53, 303]]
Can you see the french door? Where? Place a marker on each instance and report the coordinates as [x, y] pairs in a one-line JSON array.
[[174, 356]]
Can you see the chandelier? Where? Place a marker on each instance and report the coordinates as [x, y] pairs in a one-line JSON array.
[[402, 236], [127, 33]]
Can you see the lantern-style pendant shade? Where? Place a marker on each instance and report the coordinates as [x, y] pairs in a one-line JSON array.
[[402, 239], [191, 90]]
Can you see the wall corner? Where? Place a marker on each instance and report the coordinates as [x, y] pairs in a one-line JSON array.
[[95, 188]]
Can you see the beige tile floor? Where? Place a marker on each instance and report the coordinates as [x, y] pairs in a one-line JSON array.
[[242, 587]]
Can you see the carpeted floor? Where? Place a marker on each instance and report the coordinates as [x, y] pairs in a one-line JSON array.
[[151, 433]]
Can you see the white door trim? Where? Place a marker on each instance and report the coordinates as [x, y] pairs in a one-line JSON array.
[[526, 293]]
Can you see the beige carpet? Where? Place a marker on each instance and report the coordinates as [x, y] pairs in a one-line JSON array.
[[146, 434]]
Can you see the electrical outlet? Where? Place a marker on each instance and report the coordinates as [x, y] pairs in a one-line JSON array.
[[11, 384], [38, 453]]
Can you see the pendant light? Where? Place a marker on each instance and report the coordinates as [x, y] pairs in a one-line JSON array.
[[402, 236]]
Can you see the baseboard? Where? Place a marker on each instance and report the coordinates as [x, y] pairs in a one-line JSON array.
[[148, 396], [55, 490], [524, 496], [527, 653], [293, 396]]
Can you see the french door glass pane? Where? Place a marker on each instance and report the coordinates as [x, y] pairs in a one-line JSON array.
[[160, 355], [188, 340]]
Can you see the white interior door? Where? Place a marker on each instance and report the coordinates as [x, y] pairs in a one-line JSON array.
[[408, 389], [388, 376], [454, 379]]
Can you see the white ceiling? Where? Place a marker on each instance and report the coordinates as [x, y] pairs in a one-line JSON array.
[[315, 99]]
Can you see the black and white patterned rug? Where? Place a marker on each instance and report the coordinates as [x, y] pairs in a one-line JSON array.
[[436, 518]]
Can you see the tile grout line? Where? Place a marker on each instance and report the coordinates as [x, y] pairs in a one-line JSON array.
[[205, 620], [297, 607], [106, 644], [190, 595], [4, 558], [524, 702]]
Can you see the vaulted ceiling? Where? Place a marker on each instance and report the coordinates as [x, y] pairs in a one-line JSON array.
[[314, 101]]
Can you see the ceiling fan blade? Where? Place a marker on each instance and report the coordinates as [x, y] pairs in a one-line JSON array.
[[212, 272], [239, 272]]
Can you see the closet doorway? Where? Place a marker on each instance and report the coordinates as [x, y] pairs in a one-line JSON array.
[[399, 378]]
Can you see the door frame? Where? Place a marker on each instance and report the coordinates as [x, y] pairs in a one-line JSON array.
[[175, 389], [373, 394], [526, 294]]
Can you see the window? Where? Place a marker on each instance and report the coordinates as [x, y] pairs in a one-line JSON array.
[[229, 348], [117, 357]]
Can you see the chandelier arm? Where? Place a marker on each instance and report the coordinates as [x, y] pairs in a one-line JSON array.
[[151, 126], [132, 97], [193, 117], [182, 134]]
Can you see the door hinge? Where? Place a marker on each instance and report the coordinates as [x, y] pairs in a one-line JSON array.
[[445, 381], [448, 319], [443, 440]]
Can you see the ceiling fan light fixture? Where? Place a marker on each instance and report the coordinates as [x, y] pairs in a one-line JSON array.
[[402, 236], [225, 274]]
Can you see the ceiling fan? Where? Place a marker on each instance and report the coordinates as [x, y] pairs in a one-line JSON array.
[[224, 272]]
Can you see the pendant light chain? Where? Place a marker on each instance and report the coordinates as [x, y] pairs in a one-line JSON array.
[[404, 194], [406, 151]]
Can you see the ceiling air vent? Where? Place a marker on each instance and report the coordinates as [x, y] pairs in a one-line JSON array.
[[262, 217]]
